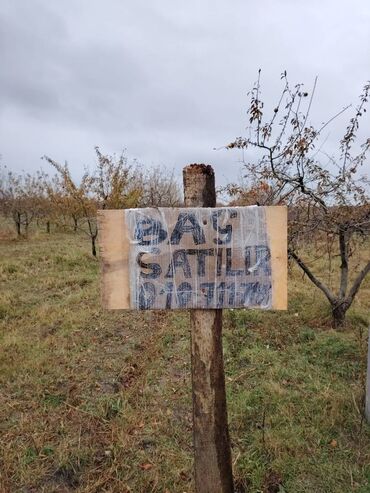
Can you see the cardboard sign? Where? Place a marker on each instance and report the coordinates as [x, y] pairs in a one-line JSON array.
[[204, 258]]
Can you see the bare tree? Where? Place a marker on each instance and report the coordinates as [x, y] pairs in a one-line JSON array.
[[325, 192], [159, 188], [20, 198]]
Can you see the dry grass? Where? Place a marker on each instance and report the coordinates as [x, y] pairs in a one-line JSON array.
[[94, 401]]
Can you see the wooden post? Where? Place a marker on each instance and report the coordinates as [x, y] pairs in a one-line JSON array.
[[367, 390], [212, 455]]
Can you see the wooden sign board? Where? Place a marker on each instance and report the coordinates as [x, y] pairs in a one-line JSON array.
[[205, 258]]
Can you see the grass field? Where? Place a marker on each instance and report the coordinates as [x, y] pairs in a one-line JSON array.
[[97, 401]]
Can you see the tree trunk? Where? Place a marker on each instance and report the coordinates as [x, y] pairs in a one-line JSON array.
[[93, 245], [18, 226], [75, 224], [343, 248], [48, 227], [339, 305], [339, 310]]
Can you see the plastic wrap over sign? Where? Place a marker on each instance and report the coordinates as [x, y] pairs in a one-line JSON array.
[[199, 258], [195, 257]]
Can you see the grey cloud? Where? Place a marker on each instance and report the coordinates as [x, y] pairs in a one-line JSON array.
[[167, 80]]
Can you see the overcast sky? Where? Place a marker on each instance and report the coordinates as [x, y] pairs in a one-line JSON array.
[[167, 80]]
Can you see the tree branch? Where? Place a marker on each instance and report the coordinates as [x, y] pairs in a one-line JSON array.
[[357, 283], [311, 276]]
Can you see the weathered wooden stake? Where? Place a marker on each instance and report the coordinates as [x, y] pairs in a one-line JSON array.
[[367, 390], [212, 455]]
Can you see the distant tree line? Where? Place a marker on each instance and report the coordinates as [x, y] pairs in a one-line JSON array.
[[59, 199]]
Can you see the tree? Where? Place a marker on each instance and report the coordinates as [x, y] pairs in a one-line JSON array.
[[60, 207], [80, 198], [159, 188], [115, 183], [110, 185], [327, 197], [20, 198]]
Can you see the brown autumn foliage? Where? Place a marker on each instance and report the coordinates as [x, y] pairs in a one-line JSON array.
[[113, 184]]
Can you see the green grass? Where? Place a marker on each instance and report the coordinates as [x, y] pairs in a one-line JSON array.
[[97, 401]]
